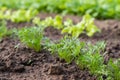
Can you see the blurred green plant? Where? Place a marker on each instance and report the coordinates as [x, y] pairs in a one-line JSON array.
[[101, 9], [85, 26], [17, 16], [3, 29], [49, 21], [23, 15]]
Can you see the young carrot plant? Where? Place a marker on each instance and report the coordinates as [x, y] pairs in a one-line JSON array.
[[84, 54], [92, 59], [32, 37], [113, 68], [85, 26], [4, 31], [67, 48]]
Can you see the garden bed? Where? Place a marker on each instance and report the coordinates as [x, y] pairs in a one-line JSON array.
[[22, 63]]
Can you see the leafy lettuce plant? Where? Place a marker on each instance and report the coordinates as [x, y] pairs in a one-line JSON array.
[[68, 22], [2, 12], [58, 22], [5, 13], [36, 21], [20, 15], [32, 37], [45, 23], [23, 15], [49, 21], [85, 26]]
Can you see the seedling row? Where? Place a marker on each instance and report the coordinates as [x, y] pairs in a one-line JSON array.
[[70, 48]]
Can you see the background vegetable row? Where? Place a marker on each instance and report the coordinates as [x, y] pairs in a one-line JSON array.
[[85, 26], [98, 8], [84, 54], [17, 16]]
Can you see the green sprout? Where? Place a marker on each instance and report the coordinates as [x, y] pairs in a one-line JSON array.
[[32, 37]]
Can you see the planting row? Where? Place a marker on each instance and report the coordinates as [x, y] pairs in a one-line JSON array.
[[17, 16], [97, 8], [84, 54], [85, 26]]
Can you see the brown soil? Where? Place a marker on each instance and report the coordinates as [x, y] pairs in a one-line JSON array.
[[17, 62]]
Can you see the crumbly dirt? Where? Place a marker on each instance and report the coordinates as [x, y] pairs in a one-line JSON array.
[[17, 62]]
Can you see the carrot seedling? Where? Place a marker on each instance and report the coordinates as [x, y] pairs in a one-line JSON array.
[[32, 37]]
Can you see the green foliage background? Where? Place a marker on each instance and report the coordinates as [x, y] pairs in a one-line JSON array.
[[97, 8]]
